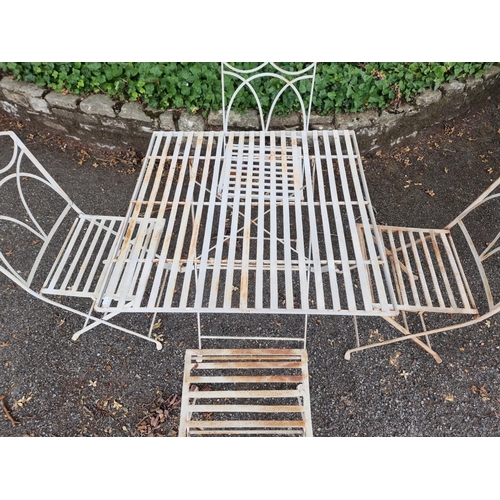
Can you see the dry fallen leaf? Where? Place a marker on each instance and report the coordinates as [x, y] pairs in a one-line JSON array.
[[22, 401], [481, 391], [430, 192], [375, 335], [157, 325], [393, 359]]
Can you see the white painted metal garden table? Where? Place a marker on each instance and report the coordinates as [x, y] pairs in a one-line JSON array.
[[250, 222]]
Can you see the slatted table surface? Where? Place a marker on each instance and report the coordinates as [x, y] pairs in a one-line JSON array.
[[249, 222]]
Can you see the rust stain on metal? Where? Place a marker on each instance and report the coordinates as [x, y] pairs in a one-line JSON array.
[[127, 238]]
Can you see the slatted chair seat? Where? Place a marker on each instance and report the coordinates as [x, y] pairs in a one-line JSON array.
[[77, 271], [245, 392], [255, 170], [426, 271]]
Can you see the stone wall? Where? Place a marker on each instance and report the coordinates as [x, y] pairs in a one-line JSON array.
[[99, 120]]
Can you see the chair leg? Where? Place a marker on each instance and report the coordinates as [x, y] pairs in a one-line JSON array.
[[87, 319], [417, 340], [305, 330], [356, 331], [104, 321], [405, 332], [198, 322], [152, 324], [424, 328]]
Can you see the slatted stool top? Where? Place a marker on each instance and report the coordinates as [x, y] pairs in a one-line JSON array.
[[245, 392]]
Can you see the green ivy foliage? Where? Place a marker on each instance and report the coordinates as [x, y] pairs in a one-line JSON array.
[[340, 87]]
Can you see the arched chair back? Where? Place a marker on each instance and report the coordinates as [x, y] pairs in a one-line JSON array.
[[480, 226], [299, 81], [32, 213]]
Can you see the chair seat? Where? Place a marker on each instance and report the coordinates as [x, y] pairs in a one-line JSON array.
[[426, 271], [254, 170], [78, 268], [251, 392]]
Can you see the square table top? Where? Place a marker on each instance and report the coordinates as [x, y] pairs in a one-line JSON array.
[[263, 222]]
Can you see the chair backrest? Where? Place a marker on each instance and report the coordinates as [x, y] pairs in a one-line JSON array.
[[30, 214], [480, 226], [283, 80]]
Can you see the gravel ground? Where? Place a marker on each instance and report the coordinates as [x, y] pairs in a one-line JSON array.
[[109, 384]]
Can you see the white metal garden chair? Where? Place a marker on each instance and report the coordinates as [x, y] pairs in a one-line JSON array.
[[45, 227], [447, 275], [255, 160], [251, 159]]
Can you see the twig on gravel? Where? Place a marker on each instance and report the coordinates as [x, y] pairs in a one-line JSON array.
[[6, 411]]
